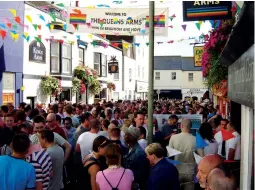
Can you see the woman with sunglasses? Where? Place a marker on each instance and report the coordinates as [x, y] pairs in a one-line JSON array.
[[93, 163]]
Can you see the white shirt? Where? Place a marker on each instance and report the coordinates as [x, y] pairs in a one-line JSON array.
[[212, 148], [143, 143], [85, 141], [234, 143]]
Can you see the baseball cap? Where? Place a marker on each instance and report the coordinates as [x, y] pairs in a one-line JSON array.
[[133, 131]]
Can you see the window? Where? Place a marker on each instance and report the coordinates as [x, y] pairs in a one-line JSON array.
[[61, 58], [130, 75], [142, 72], [173, 75], [104, 65], [97, 63], [157, 75], [54, 53], [191, 76], [81, 56], [138, 70], [130, 95]]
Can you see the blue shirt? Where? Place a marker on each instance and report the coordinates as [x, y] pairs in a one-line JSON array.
[[164, 174], [16, 174]]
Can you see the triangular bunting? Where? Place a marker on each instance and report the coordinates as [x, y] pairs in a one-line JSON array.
[[35, 26], [14, 36], [2, 25], [39, 27], [147, 44], [60, 5], [38, 39], [171, 26], [40, 36], [125, 45], [137, 44], [197, 158], [198, 26], [115, 44], [217, 23], [3, 33], [184, 27], [200, 142], [200, 22], [61, 41], [13, 11], [90, 36], [42, 17], [9, 25], [78, 37], [171, 18], [53, 16], [14, 26], [29, 18], [65, 27], [212, 23], [170, 42], [172, 152], [51, 26], [226, 135], [18, 20]]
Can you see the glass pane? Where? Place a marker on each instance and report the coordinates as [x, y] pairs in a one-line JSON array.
[[54, 64], [96, 57], [104, 59], [81, 54], [104, 70], [97, 68], [66, 66], [54, 48], [116, 76], [66, 51]]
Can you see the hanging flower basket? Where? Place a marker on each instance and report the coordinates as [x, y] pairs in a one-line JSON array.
[[111, 86], [213, 71], [50, 85], [75, 84], [85, 74], [95, 87]]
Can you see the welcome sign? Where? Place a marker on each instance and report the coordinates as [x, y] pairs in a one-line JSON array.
[[198, 52], [116, 21], [206, 10]]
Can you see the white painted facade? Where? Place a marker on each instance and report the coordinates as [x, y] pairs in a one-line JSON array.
[[165, 80], [33, 71]]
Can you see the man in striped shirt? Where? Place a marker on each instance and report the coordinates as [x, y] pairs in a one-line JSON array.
[[43, 168]]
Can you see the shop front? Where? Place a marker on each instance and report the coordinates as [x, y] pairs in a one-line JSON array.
[[193, 92]]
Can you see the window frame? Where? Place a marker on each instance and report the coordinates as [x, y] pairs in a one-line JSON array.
[[99, 70], [190, 78], [82, 62], [157, 77], [103, 65], [60, 59], [173, 75], [130, 75]]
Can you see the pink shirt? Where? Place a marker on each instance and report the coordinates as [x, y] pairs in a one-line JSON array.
[[113, 176]]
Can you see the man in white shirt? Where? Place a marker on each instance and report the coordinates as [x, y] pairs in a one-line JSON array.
[[85, 140], [232, 149]]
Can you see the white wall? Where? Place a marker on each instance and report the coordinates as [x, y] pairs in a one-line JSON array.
[[197, 80], [129, 85], [166, 81]]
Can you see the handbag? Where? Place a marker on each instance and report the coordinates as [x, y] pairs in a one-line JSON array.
[[114, 188]]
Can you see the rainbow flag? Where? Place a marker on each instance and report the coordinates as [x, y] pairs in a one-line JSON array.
[[77, 18], [207, 11], [159, 21]]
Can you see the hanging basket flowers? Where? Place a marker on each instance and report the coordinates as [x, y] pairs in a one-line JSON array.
[[111, 86], [50, 85], [95, 87], [85, 74], [75, 84]]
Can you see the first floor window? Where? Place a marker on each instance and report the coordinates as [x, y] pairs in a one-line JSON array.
[[173, 75], [104, 65], [191, 77], [54, 55], [157, 75], [97, 63]]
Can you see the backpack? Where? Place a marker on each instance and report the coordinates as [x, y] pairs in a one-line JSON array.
[[114, 188]]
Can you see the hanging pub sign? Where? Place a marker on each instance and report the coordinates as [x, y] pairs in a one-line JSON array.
[[37, 52], [113, 65], [198, 52], [206, 10]]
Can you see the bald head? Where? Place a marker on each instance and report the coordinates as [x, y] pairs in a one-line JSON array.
[[51, 117], [218, 180], [206, 165], [186, 125]]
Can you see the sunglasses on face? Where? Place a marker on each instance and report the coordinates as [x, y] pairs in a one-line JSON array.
[[49, 121]]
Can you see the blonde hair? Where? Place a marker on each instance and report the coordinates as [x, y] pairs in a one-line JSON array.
[[156, 149]]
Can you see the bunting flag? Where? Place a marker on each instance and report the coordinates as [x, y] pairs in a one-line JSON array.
[[184, 27], [53, 16], [103, 5], [172, 152], [125, 45], [90, 36], [115, 44], [212, 23], [14, 36], [18, 20], [39, 27], [9, 25], [78, 37], [14, 26], [147, 44], [60, 5], [171, 26], [198, 25], [3, 33], [197, 158], [137, 44], [226, 135], [29, 19], [14, 12], [51, 26], [38, 39], [35, 26], [42, 17], [200, 142], [2, 25], [200, 22], [117, 2]]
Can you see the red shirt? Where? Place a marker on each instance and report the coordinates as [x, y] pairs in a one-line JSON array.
[[59, 131]]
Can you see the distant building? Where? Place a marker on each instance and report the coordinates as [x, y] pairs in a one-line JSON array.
[[177, 77]]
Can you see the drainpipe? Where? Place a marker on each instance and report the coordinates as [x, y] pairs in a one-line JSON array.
[[76, 3]]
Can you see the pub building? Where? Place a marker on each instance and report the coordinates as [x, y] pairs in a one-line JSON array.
[[238, 55]]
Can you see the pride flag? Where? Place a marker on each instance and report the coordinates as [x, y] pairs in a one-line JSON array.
[[159, 21], [77, 18]]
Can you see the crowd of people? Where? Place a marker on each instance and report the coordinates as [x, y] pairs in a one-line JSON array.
[[104, 146]]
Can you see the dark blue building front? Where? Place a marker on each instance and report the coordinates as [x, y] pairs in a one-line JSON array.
[[11, 54]]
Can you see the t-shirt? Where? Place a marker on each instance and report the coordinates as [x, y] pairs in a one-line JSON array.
[[43, 167], [104, 133], [57, 157], [234, 143], [85, 141], [113, 176], [168, 129], [212, 148], [57, 139], [79, 131], [16, 174]]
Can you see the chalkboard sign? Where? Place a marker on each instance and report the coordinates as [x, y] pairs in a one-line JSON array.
[[241, 79], [37, 52], [206, 10]]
